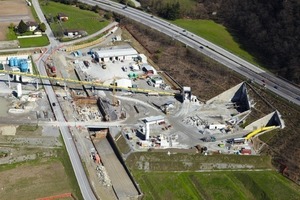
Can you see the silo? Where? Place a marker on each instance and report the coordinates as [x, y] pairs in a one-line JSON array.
[[11, 62], [16, 62], [24, 66]]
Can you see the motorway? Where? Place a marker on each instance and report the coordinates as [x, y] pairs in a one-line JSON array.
[[81, 177], [250, 71]]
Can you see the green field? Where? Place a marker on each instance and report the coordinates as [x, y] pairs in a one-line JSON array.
[[215, 33], [34, 42], [216, 185], [78, 19]]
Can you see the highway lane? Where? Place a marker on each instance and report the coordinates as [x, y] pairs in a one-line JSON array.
[[284, 89], [81, 177]]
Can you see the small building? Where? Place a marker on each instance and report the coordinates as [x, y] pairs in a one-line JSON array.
[[113, 54], [124, 83], [148, 69], [32, 26], [37, 32], [62, 17]]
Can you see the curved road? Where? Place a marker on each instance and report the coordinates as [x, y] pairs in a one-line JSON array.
[[81, 177], [254, 73]]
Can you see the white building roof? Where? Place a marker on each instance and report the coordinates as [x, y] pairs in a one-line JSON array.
[[149, 68], [124, 83], [115, 52]]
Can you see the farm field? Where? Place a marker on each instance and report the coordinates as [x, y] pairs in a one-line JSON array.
[[38, 178], [78, 19], [216, 185], [215, 33]]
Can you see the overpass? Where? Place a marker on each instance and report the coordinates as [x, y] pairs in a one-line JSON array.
[[90, 83]]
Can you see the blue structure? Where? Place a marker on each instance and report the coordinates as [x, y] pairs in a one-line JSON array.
[[16, 62], [11, 62], [23, 65]]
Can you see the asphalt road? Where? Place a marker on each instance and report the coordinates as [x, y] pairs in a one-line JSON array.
[[81, 177], [250, 71]]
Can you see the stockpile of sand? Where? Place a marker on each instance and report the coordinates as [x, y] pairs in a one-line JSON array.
[[8, 130]]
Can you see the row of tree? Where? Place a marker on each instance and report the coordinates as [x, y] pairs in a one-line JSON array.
[[270, 30]]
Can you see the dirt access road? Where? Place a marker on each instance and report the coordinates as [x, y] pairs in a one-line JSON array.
[[13, 11]]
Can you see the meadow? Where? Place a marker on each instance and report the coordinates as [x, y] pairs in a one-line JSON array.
[[217, 34], [78, 19], [216, 185]]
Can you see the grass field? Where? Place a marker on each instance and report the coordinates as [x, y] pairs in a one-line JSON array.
[[78, 19], [215, 33], [34, 42], [216, 185]]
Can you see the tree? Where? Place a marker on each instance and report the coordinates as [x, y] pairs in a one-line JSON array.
[[42, 27], [11, 26], [108, 15], [22, 27]]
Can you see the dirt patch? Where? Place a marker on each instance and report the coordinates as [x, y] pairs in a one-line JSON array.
[[9, 15], [8, 8], [31, 182]]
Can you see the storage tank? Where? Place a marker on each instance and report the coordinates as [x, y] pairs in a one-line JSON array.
[[11, 62], [16, 62], [24, 66]]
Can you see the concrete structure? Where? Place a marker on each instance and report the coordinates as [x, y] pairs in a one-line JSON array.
[[236, 95], [272, 119], [186, 93], [151, 120], [19, 90], [123, 186], [117, 53]]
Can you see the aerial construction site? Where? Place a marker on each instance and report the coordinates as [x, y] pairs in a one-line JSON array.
[[110, 91]]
